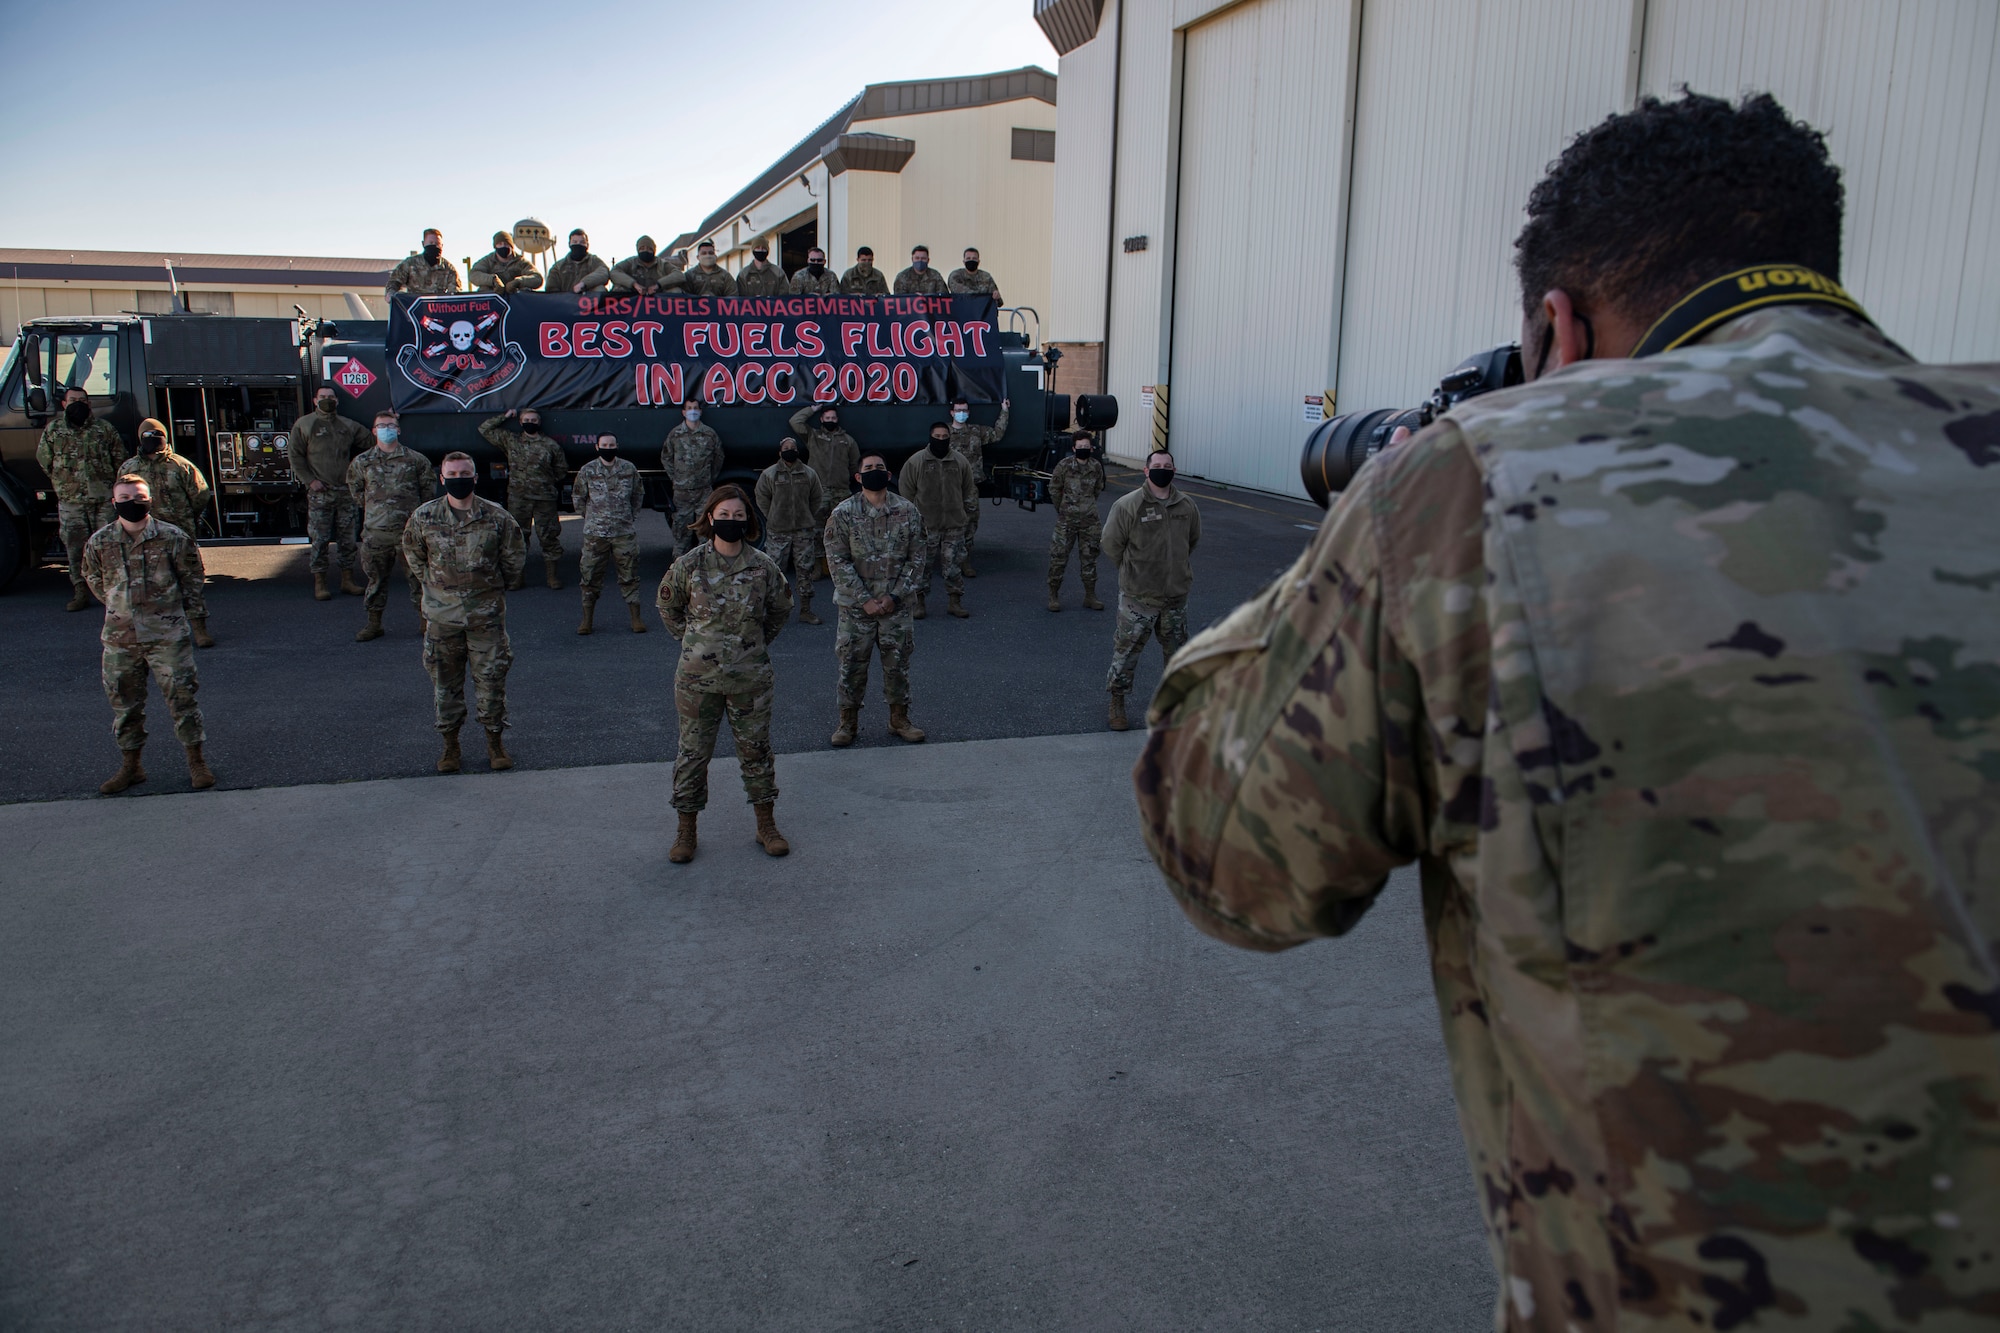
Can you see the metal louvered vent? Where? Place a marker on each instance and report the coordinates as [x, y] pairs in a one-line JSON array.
[[1068, 23]]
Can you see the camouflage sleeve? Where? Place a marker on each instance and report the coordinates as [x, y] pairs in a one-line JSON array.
[[716, 457], [93, 569], [415, 553], [513, 550], [114, 449], [970, 487], [558, 463], [399, 279], [188, 571], [910, 574], [451, 268], [638, 494], [491, 432], [357, 485], [765, 488], [999, 426], [198, 485], [44, 455], [672, 600], [777, 602], [840, 563], [1117, 530]]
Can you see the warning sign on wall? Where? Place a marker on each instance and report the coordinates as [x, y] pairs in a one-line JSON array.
[[1315, 409]]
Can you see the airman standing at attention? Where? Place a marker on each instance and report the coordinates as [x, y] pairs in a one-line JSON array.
[[579, 271], [426, 274], [692, 456], [608, 496], [874, 549], [792, 499], [1150, 539], [708, 278], [323, 444], [815, 279], [80, 453], [388, 482], [178, 493], [864, 279], [466, 552], [506, 270], [973, 280], [938, 481], [1074, 487], [760, 277], [920, 279], [645, 273], [971, 441], [536, 471]]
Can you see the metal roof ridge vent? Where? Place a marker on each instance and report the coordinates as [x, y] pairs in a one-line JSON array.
[[867, 152], [1068, 24]]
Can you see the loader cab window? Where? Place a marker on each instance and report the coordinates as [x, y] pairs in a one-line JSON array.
[[87, 361]]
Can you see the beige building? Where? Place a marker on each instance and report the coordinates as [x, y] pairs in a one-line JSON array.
[[34, 283], [948, 163]]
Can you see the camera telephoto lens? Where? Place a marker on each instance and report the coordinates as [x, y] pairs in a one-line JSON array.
[[1338, 447]]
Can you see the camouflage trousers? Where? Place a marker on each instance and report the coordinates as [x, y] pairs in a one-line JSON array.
[[971, 531], [330, 518], [77, 522], [195, 604], [1128, 640], [1083, 533], [378, 562], [540, 519], [125, 670], [688, 501], [856, 637], [448, 651], [946, 547], [701, 714], [623, 551], [797, 557]]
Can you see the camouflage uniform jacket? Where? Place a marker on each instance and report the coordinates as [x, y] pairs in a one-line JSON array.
[[1677, 676], [858, 281], [826, 284], [692, 456], [145, 581], [967, 282], [536, 465], [515, 273], [710, 281], [81, 464], [610, 496], [942, 489], [832, 453], [417, 276], [178, 489], [464, 561], [725, 610], [322, 446], [628, 275], [389, 484], [1075, 485], [790, 497], [591, 271], [767, 281], [1148, 542], [971, 440], [929, 282], [873, 550]]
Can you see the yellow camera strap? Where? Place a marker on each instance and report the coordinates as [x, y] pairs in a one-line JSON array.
[[1739, 293]]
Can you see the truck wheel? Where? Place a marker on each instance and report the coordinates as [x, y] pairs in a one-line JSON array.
[[13, 547]]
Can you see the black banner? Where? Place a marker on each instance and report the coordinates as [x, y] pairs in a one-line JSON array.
[[454, 353]]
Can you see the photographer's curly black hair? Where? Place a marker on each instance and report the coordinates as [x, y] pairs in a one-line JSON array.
[[1655, 201]]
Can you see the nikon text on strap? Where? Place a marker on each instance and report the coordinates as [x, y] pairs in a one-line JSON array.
[[1738, 293]]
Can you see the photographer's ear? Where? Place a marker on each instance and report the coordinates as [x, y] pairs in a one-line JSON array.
[[1565, 337]]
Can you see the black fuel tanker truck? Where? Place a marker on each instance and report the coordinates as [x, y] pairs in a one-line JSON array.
[[229, 389]]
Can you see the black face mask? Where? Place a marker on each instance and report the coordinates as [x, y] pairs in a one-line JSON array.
[[76, 413], [939, 448], [1082, 451], [531, 428], [760, 255], [460, 487], [829, 422], [788, 455], [876, 479], [729, 529], [431, 252], [646, 256], [1162, 477], [578, 251], [816, 268], [972, 266], [325, 405], [503, 252], [608, 454], [133, 511], [152, 444]]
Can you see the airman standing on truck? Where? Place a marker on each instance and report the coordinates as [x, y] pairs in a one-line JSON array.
[[864, 279], [645, 272], [506, 270], [608, 496], [80, 453], [466, 552], [830, 450], [178, 492], [971, 441], [323, 445], [147, 573], [708, 278], [920, 279], [792, 499], [815, 279], [692, 456], [388, 482], [875, 549], [939, 483], [973, 280], [579, 271], [536, 471], [1152, 533], [1074, 487], [426, 274], [760, 277]]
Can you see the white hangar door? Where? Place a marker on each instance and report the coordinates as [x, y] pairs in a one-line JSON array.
[[1256, 244]]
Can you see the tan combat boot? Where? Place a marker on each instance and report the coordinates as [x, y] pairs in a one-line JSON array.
[[450, 760], [555, 579], [1116, 714], [1090, 602], [589, 621], [497, 758], [806, 616], [349, 585], [320, 591], [683, 848], [965, 567], [918, 613], [638, 621], [371, 630], [202, 638], [129, 774], [900, 724], [843, 735], [79, 598], [956, 606], [1055, 597], [772, 841], [199, 772]]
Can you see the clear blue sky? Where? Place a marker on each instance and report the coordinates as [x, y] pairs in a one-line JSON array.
[[344, 128]]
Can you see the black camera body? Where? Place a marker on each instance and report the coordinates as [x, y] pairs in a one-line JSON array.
[[1338, 446]]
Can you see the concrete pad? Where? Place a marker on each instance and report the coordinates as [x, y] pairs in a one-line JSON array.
[[467, 1053]]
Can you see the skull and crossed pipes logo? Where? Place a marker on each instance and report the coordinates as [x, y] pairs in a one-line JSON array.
[[459, 347]]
